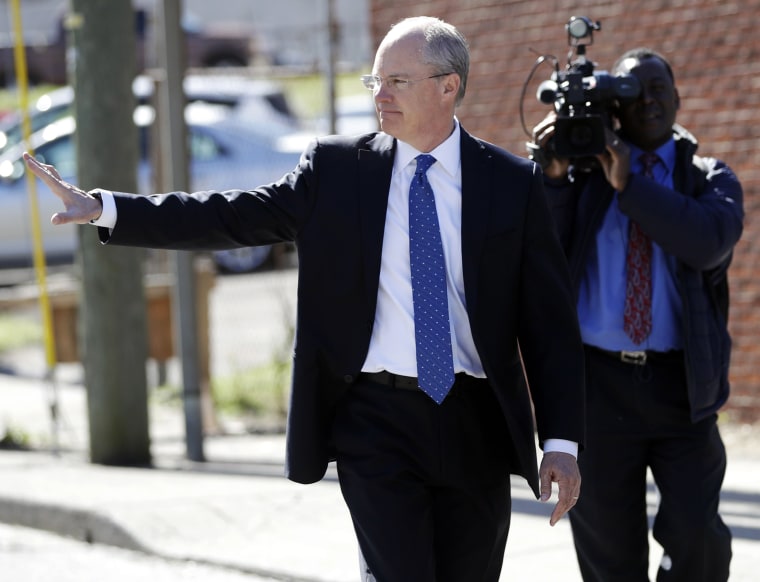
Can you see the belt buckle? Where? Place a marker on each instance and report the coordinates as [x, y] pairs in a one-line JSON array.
[[637, 358]]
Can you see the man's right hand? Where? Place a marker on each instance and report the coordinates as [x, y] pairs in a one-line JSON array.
[[80, 207], [556, 168]]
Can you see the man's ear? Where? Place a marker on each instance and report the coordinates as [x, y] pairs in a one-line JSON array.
[[451, 84]]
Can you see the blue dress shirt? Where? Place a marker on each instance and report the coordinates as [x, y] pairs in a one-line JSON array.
[[602, 290]]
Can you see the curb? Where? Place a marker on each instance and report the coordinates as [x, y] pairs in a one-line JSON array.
[[93, 527], [81, 524]]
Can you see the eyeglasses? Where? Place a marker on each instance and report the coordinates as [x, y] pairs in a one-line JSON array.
[[373, 82]]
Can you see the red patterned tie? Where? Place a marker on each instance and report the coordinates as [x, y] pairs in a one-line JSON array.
[[637, 318]]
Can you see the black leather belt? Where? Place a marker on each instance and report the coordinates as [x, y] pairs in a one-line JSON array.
[[639, 358], [403, 382], [392, 380]]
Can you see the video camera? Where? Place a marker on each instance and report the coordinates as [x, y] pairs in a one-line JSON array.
[[582, 98]]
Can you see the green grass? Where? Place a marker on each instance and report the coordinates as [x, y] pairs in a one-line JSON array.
[[15, 439], [260, 391]]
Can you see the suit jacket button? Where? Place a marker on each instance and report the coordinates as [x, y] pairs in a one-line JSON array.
[[348, 378]]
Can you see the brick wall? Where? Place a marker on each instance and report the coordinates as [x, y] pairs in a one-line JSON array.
[[715, 57]]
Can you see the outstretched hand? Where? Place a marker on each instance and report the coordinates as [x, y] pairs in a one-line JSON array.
[[561, 468], [80, 207]]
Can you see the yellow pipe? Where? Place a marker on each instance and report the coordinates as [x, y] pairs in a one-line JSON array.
[[39, 253]]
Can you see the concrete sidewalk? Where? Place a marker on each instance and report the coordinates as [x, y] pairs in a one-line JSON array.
[[237, 510]]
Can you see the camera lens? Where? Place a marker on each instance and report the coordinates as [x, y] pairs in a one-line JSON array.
[[578, 27]]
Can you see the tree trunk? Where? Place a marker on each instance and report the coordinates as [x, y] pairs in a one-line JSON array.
[[113, 336]]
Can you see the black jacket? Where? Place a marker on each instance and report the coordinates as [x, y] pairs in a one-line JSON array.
[[698, 222]]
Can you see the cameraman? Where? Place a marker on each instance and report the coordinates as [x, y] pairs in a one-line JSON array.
[[657, 368]]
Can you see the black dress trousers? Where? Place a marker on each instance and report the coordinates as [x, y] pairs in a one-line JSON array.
[[638, 420], [427, 485]]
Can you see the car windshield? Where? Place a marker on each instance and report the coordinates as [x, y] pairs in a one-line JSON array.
[[61, 154]]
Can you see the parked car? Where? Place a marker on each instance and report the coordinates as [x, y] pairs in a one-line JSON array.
[[224, 155], [221, 46], [259, 103]]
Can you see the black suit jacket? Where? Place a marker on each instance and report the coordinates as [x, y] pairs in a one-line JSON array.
[[333, 206]]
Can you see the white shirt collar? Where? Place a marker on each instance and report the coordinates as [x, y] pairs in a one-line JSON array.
[[447, 154]]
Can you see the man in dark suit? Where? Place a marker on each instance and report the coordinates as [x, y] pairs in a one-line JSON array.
[[649, 235], [426, 426]]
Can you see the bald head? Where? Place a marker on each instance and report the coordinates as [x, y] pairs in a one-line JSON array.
[[439, 44]]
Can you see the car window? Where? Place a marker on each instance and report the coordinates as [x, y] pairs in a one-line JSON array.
[[204, 147], [11, 134], [60, 153]]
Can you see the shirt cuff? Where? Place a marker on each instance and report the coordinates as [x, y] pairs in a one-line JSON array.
[[561, 446], [107, 217]]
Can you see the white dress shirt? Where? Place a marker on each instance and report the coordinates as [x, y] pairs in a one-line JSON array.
[[392, 346]]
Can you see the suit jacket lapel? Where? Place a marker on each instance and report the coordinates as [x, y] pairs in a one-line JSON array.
[[476, 203], [375, 168]]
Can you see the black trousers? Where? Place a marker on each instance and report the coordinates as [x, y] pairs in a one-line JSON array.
[[638, 419], [427, 485]]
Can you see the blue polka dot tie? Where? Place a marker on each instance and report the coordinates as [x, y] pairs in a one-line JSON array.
[[435, 363]]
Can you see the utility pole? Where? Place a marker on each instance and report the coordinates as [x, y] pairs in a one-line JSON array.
[[175, 173], [113, 336]]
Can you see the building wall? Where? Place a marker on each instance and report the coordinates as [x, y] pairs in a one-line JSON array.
[[714, 54]]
